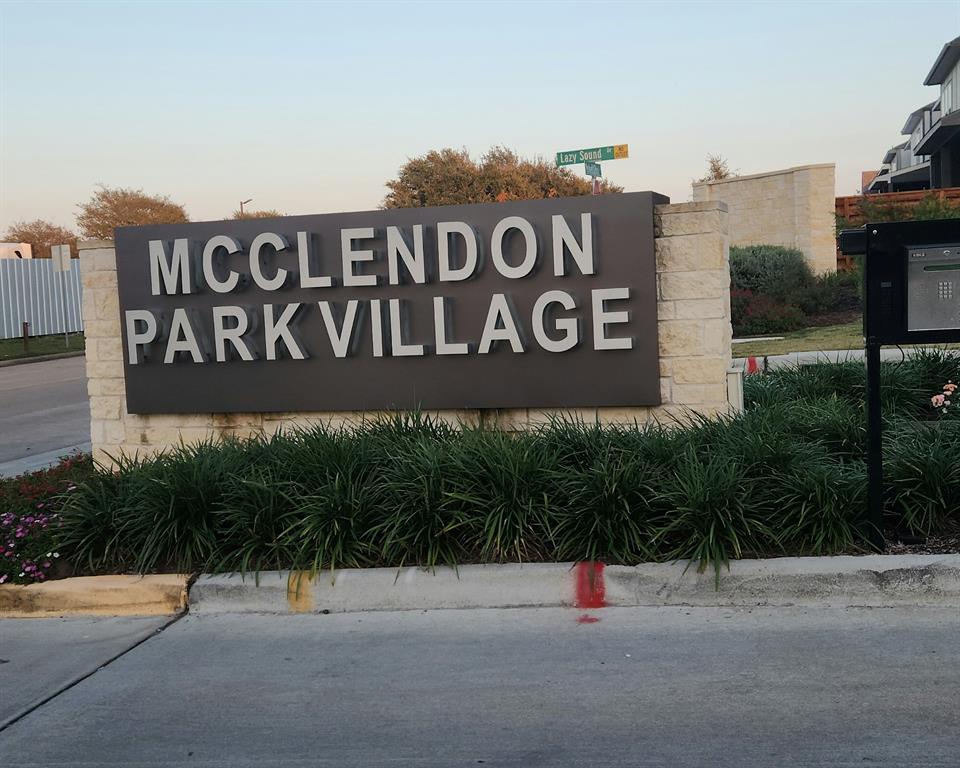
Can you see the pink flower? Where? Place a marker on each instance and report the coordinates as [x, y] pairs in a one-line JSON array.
[[937, 400]]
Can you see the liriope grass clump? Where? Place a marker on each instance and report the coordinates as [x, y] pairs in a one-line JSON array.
[[786, 476]]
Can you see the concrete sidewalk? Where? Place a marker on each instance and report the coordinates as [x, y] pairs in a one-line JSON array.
[[39, 658], [524, 688]]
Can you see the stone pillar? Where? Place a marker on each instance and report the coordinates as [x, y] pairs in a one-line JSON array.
[[793, 208], [693, 289], [104, 360]]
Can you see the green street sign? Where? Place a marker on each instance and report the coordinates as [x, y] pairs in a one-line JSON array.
[[596, 154], [592, 169]]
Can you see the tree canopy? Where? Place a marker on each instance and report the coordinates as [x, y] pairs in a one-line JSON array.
[[41, 235], [717, 168], [118, 207], [267, 214], [450, 177]]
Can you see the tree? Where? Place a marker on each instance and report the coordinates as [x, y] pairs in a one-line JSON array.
[[717, 168], [268, 214], [450, 177], [41, 235], [109, 208]]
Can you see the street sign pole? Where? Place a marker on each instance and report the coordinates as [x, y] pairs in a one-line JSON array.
[[592, 169]]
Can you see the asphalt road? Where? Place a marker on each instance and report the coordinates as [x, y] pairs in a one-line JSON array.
[[44, 413], [522, 687]]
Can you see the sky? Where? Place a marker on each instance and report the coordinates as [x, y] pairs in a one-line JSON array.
[[310, 107]]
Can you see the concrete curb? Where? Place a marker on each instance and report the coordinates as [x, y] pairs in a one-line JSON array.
[[158, 595], [40, 358], [875, 580]]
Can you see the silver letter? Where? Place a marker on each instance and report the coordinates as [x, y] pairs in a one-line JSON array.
[[303, 254], [279, 243], [415, 262], [397, 346], [351, 257], [340, 340], [500, 312], [448, 273], [222, 334], [274, 330], [209, 276], [180, 326], [376, 327], [571, 336], [176, 270], [603, 317], [135, 339], [445, 347], [496, 247], [582, 252]]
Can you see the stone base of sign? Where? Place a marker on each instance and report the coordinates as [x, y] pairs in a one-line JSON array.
[[693, 289], [793, 208]]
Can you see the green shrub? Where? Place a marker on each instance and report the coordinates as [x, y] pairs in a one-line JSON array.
[[832, 292], [785, 476], [422, 520], [769, 270], [611, 510], [755, 315], [906, 386], [504, 488], [773, 290], [712, 519], [921, 476], [875, 208], [824, 506]]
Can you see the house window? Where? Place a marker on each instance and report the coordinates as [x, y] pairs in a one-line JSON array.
[[947, 100]]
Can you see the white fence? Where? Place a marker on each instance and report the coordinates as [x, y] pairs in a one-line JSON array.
[[30, 291]]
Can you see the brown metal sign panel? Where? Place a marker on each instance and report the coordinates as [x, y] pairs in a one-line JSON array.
[[541, 303]]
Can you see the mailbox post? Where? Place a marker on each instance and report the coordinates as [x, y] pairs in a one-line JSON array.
[[912, 296]]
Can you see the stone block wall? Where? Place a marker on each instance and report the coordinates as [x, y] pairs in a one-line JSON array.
[[794, 208], [693, 289]]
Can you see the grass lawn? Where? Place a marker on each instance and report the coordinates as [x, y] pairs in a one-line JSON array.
[[843, 336], [40, 345]]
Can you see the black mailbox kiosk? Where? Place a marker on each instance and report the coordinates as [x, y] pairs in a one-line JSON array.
[[912, 296]]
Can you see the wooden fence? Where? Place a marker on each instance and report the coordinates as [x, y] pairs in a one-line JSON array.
[[848, 208]]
